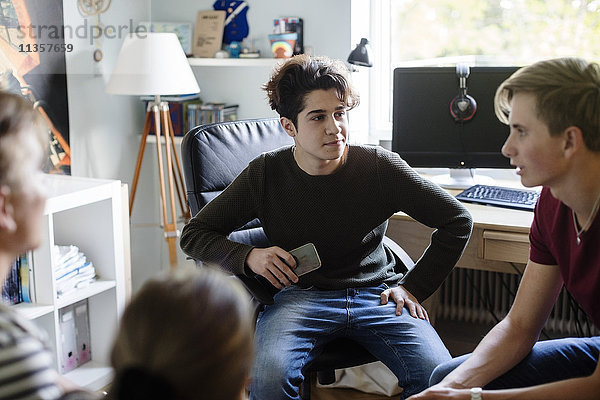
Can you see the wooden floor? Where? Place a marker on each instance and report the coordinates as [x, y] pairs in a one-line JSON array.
[[460, 338], [346, 394]]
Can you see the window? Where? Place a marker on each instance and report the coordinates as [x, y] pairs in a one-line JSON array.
[[476, 32]]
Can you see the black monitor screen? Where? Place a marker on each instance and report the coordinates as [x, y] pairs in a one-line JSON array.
[[425, 133]]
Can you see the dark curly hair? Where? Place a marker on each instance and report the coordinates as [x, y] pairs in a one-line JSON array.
[[294, 79]]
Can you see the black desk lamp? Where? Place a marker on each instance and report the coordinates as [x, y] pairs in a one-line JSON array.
[[361, 55]]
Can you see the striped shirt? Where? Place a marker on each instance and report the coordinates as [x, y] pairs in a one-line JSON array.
[[26, 365]]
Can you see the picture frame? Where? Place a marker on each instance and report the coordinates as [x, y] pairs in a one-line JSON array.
[[183, 30], [33, 64], [208, 33]]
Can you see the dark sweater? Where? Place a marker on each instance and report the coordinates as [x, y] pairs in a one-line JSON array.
[[344, 214]]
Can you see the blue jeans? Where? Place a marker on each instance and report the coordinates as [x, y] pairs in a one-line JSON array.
[[292, 332], [549, 361]]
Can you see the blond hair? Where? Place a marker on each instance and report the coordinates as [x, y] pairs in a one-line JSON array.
[[185, 335], [22, 136], [567, 92]]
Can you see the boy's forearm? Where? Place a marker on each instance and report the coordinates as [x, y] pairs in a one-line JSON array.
[[586, 388], [491, 359]]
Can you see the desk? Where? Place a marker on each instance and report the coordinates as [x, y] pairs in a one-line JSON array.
[[499, 243], [500, 237]]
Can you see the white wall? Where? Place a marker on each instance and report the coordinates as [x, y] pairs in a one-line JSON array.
[[104, 129], [102, 126]]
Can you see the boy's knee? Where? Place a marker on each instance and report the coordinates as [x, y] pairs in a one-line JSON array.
[[275, 380], [444, 369]]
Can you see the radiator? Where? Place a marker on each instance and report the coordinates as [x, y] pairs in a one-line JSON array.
[[485, 297]]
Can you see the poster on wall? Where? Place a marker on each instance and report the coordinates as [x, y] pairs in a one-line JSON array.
[[32, 63]]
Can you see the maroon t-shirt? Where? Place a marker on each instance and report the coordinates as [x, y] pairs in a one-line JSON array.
[[554, 242]]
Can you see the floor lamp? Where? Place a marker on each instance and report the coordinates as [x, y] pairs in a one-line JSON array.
[[154, 64]]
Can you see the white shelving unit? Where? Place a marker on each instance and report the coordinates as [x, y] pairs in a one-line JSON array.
[[86, 213]]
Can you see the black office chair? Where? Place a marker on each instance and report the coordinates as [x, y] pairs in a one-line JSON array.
[[212, 156]]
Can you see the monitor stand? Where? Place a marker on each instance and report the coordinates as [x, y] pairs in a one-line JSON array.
[[461, 178]]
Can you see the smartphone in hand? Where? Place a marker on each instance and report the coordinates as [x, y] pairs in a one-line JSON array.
[[307, 259]]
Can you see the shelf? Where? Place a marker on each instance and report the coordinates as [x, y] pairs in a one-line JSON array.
[[86, 292], [234, 62], [66, 192], [33, 310], [91, 375]]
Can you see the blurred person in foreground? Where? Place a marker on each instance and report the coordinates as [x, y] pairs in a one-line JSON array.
[[185, 335], [26, 364]]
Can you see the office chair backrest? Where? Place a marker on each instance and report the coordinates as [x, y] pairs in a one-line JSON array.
[[213, 155]]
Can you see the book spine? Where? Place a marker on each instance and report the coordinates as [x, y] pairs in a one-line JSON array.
[[27, 279], [11, 291]]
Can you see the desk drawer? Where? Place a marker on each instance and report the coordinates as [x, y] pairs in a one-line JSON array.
[[505, 246]]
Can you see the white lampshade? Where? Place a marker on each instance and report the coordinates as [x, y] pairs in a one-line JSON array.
[[152, 64]]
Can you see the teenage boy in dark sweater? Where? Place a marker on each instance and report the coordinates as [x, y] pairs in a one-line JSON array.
[[339, 197]]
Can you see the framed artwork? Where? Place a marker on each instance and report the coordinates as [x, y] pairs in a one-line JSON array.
[[32, 63], [208, 33], [183, 30]]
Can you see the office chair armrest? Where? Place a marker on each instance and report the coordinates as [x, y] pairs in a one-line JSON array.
[[399, 252]]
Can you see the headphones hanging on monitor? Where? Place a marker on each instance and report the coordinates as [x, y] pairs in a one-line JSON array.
[[463, 106]]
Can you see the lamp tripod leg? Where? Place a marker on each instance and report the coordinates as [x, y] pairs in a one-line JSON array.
[[179, 182], [140, 157], [168, 227], [171, 232]]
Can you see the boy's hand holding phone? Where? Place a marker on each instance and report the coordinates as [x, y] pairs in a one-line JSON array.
[[274, 264], [282, 268]]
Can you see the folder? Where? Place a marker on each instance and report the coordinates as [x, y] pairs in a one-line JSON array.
[[82, 332], [68, 341]]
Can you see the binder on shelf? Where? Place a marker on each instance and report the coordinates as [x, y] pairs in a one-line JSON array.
[[74, 328], [82, 332], [67, 352]]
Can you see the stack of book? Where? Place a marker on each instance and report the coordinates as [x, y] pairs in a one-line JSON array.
[[18, 287], [72, 271], [210, 113], [178, 110]]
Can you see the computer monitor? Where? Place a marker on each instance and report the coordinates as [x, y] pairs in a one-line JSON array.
[[425, 132]]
